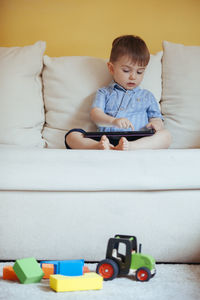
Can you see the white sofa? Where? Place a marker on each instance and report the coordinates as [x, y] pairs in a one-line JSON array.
[[65, 204]]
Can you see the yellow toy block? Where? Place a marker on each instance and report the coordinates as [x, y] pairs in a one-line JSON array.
[[88, 281]]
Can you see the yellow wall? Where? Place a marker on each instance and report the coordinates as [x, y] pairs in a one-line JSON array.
[[87, 27]]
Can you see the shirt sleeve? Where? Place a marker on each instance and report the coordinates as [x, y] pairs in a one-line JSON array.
[[100, 99], [153, 110]]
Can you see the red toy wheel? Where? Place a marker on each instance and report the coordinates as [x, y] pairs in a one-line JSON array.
[[108, 269], [143, 274]]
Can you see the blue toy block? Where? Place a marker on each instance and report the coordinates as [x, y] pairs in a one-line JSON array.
[[71, 267], [67, 267]]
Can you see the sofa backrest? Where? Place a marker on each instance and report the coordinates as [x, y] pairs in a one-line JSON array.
[[70, 85], [41, 97], [21, 99], [181, 94]]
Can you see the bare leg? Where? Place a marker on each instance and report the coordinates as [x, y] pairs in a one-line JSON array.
[[76, 140], [160, 140]]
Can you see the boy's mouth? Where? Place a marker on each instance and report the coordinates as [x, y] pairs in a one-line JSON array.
[[131, 84]]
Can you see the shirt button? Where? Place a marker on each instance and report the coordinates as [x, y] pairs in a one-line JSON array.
[[121, 108]]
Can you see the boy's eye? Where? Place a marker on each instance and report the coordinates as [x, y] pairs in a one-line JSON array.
[[140, 71], [125, 71]]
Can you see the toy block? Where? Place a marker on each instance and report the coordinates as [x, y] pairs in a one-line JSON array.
[[28, 270], [48, 270], [9, 274], [53, 262], [85, 270], [71, 267], [66, 267], [88, 281]]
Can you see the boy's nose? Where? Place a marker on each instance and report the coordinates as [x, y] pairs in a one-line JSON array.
[[132, 76]]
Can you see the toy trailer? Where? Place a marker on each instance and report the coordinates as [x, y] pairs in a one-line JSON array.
[[122, 257]]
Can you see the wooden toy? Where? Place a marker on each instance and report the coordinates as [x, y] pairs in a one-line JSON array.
[[48, 270], [66, 267], [85, 270], [9, 274], [28, 270], [88, 281], [120, 262], [71, 267], [53, 262]]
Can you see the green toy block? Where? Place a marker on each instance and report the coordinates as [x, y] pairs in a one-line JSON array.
[[28, 270]]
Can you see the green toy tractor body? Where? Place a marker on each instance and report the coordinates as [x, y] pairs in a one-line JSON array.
[[140, 260]]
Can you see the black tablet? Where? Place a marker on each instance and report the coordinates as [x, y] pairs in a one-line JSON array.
[[130, 135]]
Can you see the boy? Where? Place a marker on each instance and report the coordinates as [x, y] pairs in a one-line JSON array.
[[123, 106]]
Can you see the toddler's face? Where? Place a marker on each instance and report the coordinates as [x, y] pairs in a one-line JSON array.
[[126, 73]]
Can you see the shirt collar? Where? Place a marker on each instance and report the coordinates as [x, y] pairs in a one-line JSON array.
[[115, 85]]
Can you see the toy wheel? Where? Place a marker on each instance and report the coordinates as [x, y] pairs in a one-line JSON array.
[[143, 274], [108, 269]]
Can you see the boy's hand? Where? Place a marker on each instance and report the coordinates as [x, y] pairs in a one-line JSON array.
[[155, 123], [122, 123]]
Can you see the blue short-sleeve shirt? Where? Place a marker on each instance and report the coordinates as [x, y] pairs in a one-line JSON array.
[[138, 105]]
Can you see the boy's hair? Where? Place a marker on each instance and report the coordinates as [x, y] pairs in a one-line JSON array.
[[132, 46]]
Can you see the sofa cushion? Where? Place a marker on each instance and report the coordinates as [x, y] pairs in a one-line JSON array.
[[181, 94], [94, 170], [21, 101], [70, 84]]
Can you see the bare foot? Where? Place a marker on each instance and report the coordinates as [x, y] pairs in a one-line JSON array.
[[104, 143], [123, 144]]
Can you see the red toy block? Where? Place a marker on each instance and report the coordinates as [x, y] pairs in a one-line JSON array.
[[48, 270], [9, 274], [85, 270]]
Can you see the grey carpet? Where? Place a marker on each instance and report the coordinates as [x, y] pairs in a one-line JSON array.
[[171, 282]]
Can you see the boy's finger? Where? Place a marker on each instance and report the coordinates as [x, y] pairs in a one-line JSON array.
[[148, 125]]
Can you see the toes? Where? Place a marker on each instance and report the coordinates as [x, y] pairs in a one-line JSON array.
[[105, 143], [103, 137], [123, 144]]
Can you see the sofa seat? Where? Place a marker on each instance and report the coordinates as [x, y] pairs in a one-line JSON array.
[[66, 204], [81, 170]]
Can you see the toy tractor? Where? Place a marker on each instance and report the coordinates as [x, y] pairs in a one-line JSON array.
[[122, 257]]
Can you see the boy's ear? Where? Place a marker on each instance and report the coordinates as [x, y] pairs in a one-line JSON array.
[[110, 67]]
